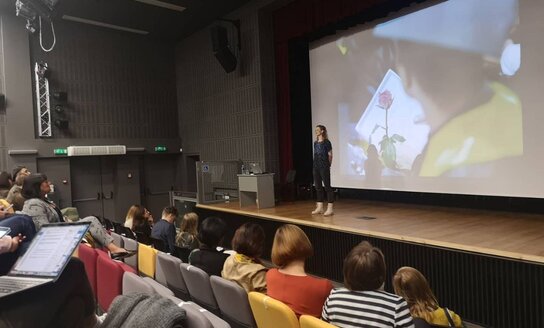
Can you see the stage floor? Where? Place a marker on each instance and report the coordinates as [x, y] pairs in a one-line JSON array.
[[517, 236]]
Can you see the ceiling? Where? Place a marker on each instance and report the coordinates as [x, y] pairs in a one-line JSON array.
[[160, 22]]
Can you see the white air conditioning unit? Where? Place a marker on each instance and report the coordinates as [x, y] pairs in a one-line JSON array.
[[97, 150]]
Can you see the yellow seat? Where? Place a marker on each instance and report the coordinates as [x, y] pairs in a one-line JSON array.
[[271, 313], [147, 259], [307, 321]]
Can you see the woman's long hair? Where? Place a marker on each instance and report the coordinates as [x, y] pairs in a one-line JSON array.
[[32, 186], [414, 288], [136, 214], [190, 223], [324, 134]]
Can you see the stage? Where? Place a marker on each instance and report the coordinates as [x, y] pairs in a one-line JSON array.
[[517, 236]]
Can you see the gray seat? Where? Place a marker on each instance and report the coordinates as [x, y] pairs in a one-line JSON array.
[[214, 320], [168, 274], [134, 284], [233, 302], [117, 239], [158, 288], [200, 289], [131, 245]]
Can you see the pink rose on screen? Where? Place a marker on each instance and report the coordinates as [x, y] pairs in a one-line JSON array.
[[385, 99]]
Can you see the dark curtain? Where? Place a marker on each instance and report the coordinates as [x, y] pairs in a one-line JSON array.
[[311, 19]]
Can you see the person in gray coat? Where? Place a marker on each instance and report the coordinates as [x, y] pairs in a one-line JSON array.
[[42, 211]]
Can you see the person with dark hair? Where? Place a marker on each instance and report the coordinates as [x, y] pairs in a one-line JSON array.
[[165, 229], [207, 257], [15, 196], [290, 283], [363, 303], [245, 267], [322, 170], [149, 218], [42, 211], [5, 184]]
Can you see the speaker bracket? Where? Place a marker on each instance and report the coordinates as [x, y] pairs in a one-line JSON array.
[[236, 23]]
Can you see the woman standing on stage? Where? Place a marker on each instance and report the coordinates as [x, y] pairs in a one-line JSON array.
[[322, 170]]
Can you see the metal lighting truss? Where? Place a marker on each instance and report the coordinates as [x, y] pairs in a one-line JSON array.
[[42, 97]]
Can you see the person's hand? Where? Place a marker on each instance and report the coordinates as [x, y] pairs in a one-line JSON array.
[[15, 241]]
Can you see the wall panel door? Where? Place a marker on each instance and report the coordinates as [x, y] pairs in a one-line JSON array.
[[159, 179], [87, 185]]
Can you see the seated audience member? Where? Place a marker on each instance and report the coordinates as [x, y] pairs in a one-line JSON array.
[[149, 217], [42, 211], [141, 228], [363, 303], [5, 184], [133, 211], [6, 209], [207, 257], [67, 302], [15, 195], [165, 229], [290, 283], [245, 266], [22, 232], [414, 288], [186, 237]]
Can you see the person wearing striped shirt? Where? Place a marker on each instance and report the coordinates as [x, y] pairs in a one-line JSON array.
[[363, 303]]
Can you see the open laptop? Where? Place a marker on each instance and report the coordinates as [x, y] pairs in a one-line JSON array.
[[45, 258]]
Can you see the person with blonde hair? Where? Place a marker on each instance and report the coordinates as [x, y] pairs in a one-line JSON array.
[[414, 288], [289, 283], [133, 211], [186, 237]]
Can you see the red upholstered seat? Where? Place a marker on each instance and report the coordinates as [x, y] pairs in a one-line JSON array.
[[88, 256], [109, 275]]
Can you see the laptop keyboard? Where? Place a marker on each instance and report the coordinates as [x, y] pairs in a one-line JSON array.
[[12, 285]]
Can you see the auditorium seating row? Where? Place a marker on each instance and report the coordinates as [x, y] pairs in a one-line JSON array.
[[222, 303]]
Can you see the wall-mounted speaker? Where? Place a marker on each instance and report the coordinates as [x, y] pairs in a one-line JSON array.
[[221, 50]]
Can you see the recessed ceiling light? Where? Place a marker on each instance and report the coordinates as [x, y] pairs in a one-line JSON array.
[[163, 4], [102, 24]]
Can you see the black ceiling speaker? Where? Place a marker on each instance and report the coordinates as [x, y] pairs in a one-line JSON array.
[[221, 50]]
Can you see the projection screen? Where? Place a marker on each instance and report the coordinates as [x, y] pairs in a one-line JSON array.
[[445, 97]]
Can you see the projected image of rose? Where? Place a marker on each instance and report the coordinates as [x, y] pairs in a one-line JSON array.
[[395, 124], [388, 151]]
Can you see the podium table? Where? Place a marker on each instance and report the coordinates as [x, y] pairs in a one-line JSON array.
[[256, 189]]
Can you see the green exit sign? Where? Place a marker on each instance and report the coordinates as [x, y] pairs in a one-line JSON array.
[[60, 151], [161, 149]]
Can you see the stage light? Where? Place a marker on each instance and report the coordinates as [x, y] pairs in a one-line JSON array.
[[23, 10], [59, 109], [43, 71], [60, 95]]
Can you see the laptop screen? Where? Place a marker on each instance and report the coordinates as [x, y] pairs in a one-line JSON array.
[[50, 250]]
